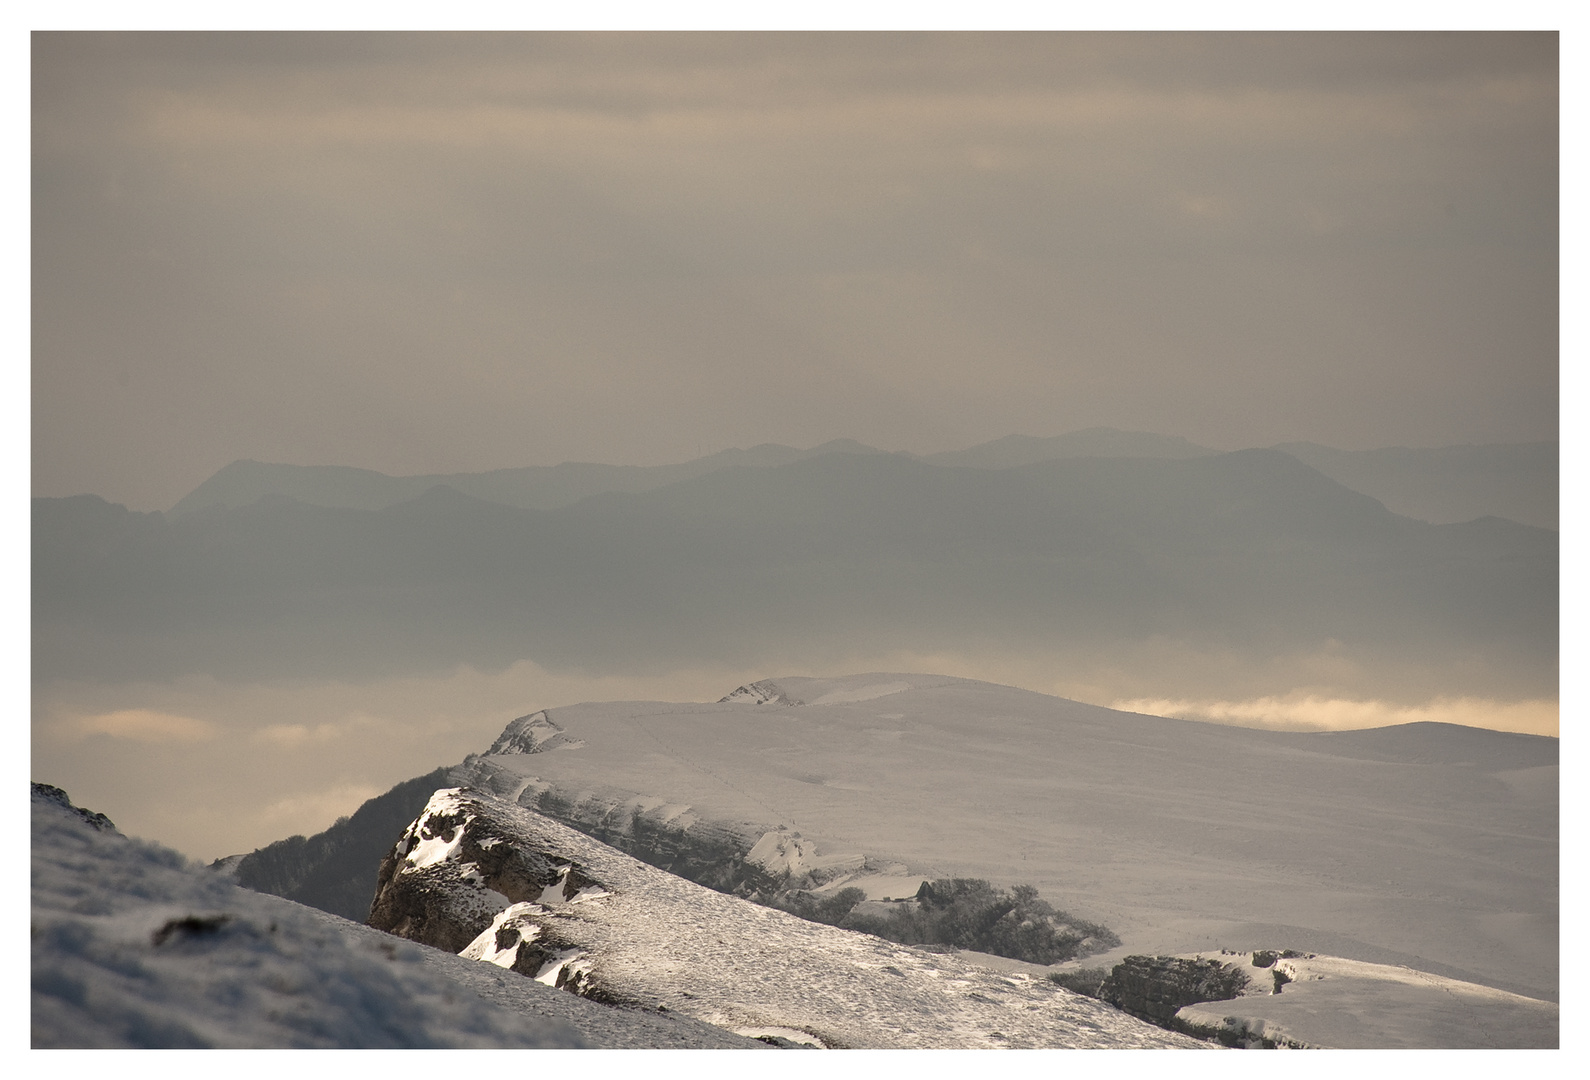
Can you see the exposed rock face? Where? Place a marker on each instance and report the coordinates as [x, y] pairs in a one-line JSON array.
[[532, 734], [456, 868], [766, 692], [51, 794], [517, 940], [1155, 987]]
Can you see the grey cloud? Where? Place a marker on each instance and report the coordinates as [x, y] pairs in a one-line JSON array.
[[445, 252]]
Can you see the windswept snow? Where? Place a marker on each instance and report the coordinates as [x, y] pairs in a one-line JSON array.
[[532, 734], [860, 693], [134, 947], [781, 852], [661, 941], [1426, 846], [1336, 1002]]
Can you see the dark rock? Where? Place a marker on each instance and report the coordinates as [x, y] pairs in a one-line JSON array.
[[51, 794], [189, 926], [454, 869], [1153, 988]]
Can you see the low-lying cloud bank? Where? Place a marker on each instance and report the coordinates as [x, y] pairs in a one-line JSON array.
[[1309, 713], [214, 768]]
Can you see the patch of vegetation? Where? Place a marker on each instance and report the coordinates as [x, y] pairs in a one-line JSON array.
[[715, 861], [951, 913], [970, 913], [831, 910]]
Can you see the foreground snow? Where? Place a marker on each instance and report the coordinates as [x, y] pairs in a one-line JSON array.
[[133, 947]]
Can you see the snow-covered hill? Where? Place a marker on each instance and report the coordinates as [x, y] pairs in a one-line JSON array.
[[1348, 1004], [1429, 846], [134, 947], [518, 891]]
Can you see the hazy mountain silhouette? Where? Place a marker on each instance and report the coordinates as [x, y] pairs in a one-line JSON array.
[[548, 487], [1443, 485], [1252, 552], [539, 486], [1448, 483], [1015, 450]]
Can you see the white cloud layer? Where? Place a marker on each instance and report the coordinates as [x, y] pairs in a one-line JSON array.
[[1309, 713]]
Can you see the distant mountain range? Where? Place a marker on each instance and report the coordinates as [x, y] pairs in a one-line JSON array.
[[1252, 552], [1441, 485], [1448, 483]]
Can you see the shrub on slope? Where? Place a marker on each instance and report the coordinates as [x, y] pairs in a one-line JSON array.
[[963, 913]]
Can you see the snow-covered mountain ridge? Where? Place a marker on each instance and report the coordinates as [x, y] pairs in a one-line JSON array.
[[527, 894], [1429, 848], [1416, 865]]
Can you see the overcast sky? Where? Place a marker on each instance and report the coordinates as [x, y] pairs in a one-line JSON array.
[[446, 253]]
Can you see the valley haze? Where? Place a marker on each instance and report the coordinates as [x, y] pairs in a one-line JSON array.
[[312, 635]]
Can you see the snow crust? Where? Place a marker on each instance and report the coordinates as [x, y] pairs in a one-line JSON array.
[[241, 969]]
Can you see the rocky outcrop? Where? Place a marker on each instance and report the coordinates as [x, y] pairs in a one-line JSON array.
[[533, 734], [765, 692], [517, 940], [1153, 988], [504, 885], [49, 793], [458, 866]]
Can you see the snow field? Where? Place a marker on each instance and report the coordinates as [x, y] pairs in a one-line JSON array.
[[662, 941]]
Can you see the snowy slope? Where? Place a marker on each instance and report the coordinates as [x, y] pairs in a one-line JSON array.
[[1331, 1001], [133, 947], [1434, 848], [560, 908]]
